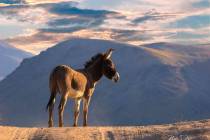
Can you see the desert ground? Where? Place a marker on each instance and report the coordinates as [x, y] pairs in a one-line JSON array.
[[195, 130]]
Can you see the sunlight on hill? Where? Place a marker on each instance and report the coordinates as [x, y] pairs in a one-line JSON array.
[[166, 56]]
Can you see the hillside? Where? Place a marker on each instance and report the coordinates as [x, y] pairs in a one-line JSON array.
[[10, 58], [160, 83], [198, 130]]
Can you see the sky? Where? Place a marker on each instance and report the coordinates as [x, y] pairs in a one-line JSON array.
[[34, 25]]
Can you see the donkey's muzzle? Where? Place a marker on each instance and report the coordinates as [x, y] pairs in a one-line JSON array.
[[116, 77]]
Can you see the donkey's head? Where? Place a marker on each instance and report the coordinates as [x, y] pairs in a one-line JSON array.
[[108, 67]]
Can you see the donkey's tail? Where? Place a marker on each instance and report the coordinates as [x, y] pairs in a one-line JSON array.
[[51, 100], [53, 90]]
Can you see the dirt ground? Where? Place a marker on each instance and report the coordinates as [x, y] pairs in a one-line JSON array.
[[196, 130]]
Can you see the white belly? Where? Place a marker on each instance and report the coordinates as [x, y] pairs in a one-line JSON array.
[[72, 93]]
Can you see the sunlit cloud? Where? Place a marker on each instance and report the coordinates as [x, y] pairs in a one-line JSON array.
[[36, 41], [3, 4], [135, 22]]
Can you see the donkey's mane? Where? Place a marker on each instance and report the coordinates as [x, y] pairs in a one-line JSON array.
[[92, 60]]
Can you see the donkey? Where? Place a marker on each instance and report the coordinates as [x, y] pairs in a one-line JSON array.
[[79, 84]]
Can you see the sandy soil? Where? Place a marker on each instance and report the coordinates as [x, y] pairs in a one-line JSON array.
[[196, 130]]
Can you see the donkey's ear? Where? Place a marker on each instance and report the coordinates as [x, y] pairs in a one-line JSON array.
[[108, 54]]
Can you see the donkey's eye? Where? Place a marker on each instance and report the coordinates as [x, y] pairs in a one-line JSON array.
[[111, 71], [108, 62]]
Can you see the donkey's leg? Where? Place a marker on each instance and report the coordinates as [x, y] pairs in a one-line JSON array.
[[50, 122], [86, 102], [50, 106], [61, 108], [76, 111], [51, 102]]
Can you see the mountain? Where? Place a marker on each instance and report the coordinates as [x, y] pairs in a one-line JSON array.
[[160, 83], [10, 58]]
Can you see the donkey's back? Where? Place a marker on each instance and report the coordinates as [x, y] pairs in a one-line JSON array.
[[65, 80], [59, 78]]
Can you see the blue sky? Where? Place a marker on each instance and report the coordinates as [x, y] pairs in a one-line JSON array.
[[36, 25]]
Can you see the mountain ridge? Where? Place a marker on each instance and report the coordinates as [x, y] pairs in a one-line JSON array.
[[10, 58], [149, 92]]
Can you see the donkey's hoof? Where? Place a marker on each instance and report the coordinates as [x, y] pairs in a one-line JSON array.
[[60, 125], [74, 125], [50, 124]]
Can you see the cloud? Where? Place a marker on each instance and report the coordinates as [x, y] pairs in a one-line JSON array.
[[135, 21], [64, 25], [201, 4], [129, 35], [189, 35], [58, 21], [28, 12], [13, 1], [21, 13], [74, 19], [59, 14], [197, 21], [65, 9], [37, 41], [61, 29], [44, 1], [136, 6], [68, 21], [152, 15]]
